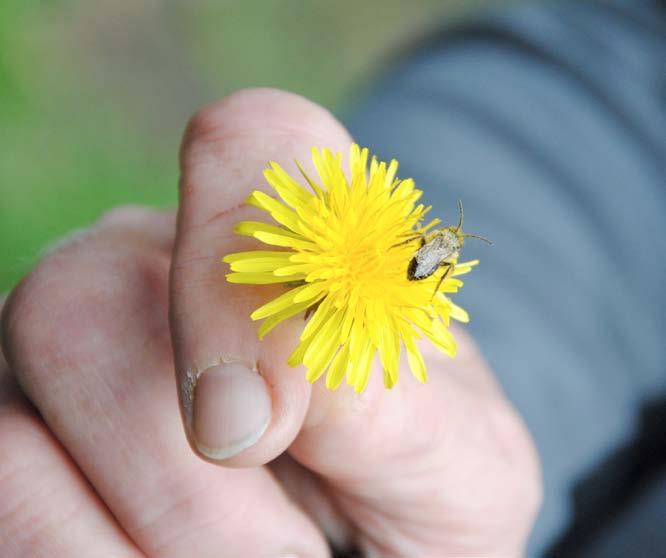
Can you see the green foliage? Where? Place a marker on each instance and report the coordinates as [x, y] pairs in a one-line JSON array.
[[94, 95]]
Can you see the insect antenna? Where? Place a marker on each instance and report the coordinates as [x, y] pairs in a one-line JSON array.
[[490, 242], [460, 219]]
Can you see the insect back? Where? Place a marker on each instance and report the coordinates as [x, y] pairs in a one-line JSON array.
[[440, 248]]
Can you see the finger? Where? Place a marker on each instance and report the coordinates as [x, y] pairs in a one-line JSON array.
[[87, 333], [383, 451], [314, 495], [233, 389], [47, 508], [447, 468]]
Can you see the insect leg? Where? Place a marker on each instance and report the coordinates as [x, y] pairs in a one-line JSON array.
[[412, 239], [449, 267]]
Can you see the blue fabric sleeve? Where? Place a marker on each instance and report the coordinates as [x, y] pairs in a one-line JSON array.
[[548, 122]]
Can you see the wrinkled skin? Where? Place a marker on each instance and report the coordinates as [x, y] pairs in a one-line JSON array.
[[94, 458]]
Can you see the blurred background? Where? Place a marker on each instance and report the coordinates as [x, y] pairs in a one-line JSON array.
[[94, 96]]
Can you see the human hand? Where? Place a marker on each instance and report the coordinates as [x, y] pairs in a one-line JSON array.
[[437, 470]]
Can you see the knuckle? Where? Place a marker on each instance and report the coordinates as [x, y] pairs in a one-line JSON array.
[[55, 318], [71, 239], [125, 215], [25, 309]]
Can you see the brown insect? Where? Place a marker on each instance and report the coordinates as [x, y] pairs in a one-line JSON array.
[[439, 248]]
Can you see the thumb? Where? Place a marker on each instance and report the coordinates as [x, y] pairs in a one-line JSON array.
[[237, 395]]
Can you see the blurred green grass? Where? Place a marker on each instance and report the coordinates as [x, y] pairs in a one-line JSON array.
[[94, 95]]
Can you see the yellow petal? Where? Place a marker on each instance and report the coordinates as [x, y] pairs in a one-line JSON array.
[[310, 291], [363, 369], [415, 360], [256, 265], [321, 344], [300, 269], [252, 254], [279, 212], [280, 239], [388, 348], [442, 338], [390, 174], [357, 343], [278, 304], [269, 323], [322, 349], [287, 188], [390, 378], [338, 368], [458, 313], [464, 267], [296, 357], [320, 315], [253, 228], [260, 278]]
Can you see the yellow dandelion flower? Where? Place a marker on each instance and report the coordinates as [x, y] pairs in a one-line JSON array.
[[345, 248]]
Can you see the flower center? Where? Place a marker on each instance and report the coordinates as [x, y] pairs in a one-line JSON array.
[[368, 264]]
